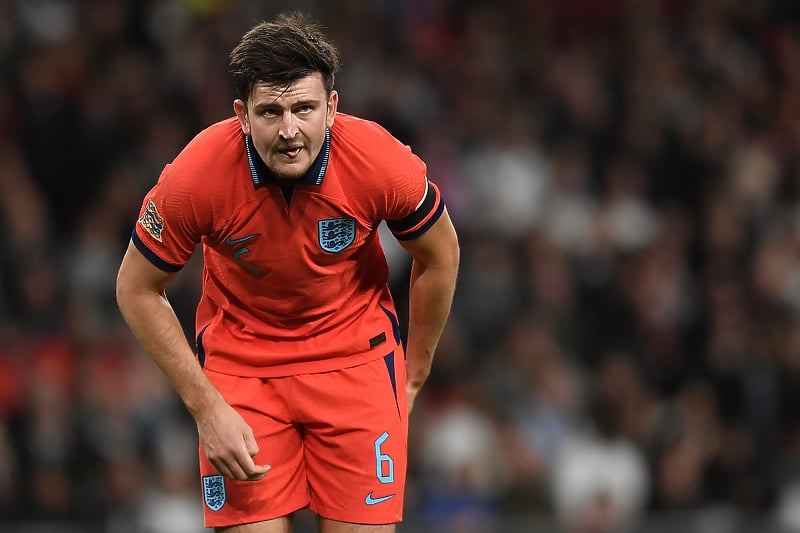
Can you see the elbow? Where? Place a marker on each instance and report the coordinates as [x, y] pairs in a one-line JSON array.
[[128, 286], [455, 255], [451, 261], [122, 290], [449, 253], [451, 257]]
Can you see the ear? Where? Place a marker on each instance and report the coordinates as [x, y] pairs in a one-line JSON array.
[[333, 103], [241, 111]]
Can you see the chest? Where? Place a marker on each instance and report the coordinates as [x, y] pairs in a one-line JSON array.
[[311, 231]]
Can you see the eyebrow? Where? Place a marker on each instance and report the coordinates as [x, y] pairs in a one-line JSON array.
[[275, 105]]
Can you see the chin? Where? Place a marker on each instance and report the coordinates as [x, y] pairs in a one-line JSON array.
[[290, 172]]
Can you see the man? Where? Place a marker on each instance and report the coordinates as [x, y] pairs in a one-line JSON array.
[[300, 387]]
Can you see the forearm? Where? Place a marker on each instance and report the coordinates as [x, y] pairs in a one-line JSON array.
[[227, 440], [153, 322], [430, 298]]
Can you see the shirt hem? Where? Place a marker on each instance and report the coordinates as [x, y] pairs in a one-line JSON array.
[[221, 365]]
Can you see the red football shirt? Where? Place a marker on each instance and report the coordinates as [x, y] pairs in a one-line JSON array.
[[294, 280]]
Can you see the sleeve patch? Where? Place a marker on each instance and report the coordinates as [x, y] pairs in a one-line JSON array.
[[152, 221]]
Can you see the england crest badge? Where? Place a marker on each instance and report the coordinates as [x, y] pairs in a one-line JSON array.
[[214, 492], [336, 234]]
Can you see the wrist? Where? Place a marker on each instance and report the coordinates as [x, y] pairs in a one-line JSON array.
[[417, 376], [202, 399]]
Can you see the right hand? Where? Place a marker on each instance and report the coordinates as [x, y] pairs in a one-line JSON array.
[[229, 443]]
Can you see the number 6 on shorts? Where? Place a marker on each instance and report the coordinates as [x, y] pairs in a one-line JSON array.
[[382, 459]]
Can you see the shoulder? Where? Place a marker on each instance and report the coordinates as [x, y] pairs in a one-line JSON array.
[[214, 152], [208, 174], [375, 167], [349, 129], [368, 145], [217, 145]]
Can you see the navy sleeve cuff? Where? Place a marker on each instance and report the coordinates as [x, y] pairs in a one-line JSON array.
[[153, 258]]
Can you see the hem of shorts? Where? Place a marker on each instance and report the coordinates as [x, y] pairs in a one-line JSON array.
[[368, 518], [251, 519]]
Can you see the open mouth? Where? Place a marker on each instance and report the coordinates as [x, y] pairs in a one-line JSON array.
[[292, 151]]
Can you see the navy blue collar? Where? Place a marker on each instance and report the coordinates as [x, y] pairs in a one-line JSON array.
[[261, 174]]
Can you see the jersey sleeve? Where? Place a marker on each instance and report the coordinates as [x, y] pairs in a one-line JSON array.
[[413, 202], [425, 213], [171, 222]]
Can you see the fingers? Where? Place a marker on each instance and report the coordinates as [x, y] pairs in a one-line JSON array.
[[258, 472], [230, 445], [239, 466], [222, 467], [250, 442], [238, 463], [253, 471]]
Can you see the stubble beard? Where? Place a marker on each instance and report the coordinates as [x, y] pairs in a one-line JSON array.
[[289, 174], [288, 171]]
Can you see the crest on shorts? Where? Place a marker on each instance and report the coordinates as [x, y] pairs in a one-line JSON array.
[[336, 234], [214, 492], [152, 221]]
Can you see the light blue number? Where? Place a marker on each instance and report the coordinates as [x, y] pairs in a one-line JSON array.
[[382, 459]]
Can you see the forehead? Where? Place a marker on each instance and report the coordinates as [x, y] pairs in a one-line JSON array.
[[306, 88]]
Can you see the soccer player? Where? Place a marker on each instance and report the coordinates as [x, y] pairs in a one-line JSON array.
[[300, 385]]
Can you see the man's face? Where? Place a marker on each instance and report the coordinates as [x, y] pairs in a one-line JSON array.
[[287, 124]]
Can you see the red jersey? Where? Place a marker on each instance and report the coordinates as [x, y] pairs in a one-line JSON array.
[[295, 280]]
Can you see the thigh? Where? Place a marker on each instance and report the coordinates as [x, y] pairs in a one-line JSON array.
[[284, 489], [277, 525], [355, 424], [334, 526]]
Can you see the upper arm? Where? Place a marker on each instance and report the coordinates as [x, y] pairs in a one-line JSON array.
[[438, 246], [137, 274]]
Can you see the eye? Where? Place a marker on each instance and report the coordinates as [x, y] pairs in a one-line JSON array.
[[307, 108]]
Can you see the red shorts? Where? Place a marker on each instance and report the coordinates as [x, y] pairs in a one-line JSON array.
[[336, 441]]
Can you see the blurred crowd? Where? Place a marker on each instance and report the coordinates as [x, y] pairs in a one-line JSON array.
[[625, 179]]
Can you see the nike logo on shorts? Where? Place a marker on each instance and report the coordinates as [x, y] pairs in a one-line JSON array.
[[369, 500]]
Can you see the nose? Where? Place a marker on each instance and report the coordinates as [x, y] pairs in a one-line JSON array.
[[288, 126]]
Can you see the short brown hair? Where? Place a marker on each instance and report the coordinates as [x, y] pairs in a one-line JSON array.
[[281, 52]]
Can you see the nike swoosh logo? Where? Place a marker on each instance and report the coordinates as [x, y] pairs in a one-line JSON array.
[[241, 239], [369, 500]]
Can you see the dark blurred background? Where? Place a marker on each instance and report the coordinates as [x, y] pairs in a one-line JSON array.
[[624, 349]]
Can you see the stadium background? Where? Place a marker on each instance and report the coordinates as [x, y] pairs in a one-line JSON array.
[[624, 351]]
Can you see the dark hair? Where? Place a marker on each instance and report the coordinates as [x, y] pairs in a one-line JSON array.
[[281, 52]]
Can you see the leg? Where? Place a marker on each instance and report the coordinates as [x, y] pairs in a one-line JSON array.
[[277, 525], [355, 437], [257, 506], [327, 525]]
